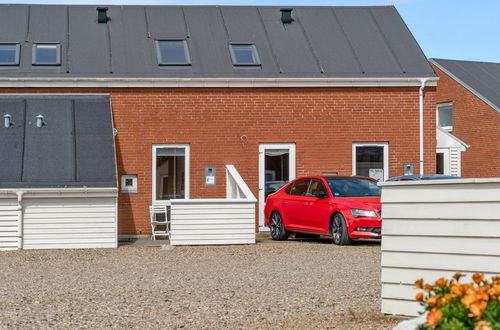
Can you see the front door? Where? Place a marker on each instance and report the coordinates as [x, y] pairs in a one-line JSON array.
[[276, 167]]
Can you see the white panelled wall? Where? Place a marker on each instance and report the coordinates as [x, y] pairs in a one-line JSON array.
[[42, 219], [433, 229]]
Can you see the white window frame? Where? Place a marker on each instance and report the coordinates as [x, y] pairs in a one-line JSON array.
[[153, 171], [17, 55], [253, 49], [186, 52], [446, 128], [372, 144], [34, 50]]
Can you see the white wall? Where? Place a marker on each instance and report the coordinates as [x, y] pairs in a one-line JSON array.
[[8, 223], [218, 221], [68, 219], [433, 229]]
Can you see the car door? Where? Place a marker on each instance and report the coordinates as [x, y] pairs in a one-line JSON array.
[[293, 204], [318, 209]]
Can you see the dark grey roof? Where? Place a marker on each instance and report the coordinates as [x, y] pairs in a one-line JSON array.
[[321, 42], [481, 78], [75, 147]]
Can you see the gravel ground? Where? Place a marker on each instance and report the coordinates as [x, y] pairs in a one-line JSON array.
[[270, 285]]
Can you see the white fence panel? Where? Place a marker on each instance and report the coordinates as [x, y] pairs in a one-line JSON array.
[[433, 229], [9, 226]]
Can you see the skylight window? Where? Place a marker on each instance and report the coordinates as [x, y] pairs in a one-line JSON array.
[[172, 52], [46, 54], [9, 54], [244, 54]]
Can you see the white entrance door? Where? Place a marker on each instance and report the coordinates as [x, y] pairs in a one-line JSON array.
[[276, 167]]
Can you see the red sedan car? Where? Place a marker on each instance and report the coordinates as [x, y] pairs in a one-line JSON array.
[[343, 207]]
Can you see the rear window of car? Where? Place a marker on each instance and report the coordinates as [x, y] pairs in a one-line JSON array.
[[300, 187], [353, 187]]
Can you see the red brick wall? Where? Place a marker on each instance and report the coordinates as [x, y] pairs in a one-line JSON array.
[[323, 122], [475, 123]]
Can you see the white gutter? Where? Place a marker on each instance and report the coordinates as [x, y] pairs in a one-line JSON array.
[[421, 121], [120, 82], [20, 220]]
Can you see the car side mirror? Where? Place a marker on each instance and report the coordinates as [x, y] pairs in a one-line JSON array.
[[321, 194]]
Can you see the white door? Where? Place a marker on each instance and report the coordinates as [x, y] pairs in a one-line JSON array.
[[276, 167]]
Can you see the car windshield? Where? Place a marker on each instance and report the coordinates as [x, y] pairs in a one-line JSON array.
[[353, 187]]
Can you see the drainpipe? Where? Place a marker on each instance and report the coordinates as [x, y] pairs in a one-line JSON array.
[[421, 120], [20, 219]]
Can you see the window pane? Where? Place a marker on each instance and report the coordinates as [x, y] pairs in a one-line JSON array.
[[244, 54], [8, 54], [316, 187], [300, 187], [172, 52], [170, 176], [46, 54], [369, 158], [352, 187], [445, 115]]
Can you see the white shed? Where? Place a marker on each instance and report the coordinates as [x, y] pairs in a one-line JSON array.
[[58, 186]]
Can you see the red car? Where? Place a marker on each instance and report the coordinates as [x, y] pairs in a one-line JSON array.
[[343, 207]]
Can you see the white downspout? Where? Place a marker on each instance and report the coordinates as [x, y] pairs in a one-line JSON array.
[[421, 120], [20, 220]]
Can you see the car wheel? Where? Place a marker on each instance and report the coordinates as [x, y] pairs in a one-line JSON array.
[[278, 232], [338, 230]]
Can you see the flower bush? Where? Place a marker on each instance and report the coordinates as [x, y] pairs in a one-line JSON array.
[[454, 305]]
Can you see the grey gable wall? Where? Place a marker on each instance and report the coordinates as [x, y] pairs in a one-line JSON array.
[[321, 42]]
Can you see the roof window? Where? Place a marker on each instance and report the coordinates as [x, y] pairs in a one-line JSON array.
[[172, 52], [244, 55], [9, 54], [46, 54]]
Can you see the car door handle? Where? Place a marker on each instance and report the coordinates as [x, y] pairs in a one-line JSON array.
[[284, 203], [306, 203]]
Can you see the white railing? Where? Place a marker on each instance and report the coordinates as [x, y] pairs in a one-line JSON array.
[[215, 221], [433, 229]]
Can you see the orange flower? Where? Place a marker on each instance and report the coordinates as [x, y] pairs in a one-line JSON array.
[[496, 279], [483, 325], [468, 299], [434, 317], [419, 284], [457, 276], [477, 309], [428, 287], [446, 299], [419, 296], [456, 289], [441, 282], [432, 301], [478, 277], [494, 290]]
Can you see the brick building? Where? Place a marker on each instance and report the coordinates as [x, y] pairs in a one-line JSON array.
[[468, 106], [278, 93]]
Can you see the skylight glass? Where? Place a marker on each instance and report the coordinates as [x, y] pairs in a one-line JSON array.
[[9, 54], [244, 54], [46, 54], [172, 52]]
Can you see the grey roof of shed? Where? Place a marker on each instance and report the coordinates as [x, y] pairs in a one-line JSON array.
[[481, 78], [321, 42], [75, 148]]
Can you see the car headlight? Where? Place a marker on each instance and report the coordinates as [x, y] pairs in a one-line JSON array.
[[363, 213]]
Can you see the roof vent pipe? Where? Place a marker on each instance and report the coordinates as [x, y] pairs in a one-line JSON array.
[[39, 121], [102, 15], [286, 15], [7, 122]]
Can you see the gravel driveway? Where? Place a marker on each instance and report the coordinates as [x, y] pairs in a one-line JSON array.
[[270, 285]]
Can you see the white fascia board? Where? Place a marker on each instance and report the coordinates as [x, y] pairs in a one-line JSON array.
[[13, 82], [461, 82], [59, 192]]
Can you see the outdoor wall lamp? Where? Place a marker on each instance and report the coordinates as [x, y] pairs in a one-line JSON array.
[[39, 121], [7, 121]]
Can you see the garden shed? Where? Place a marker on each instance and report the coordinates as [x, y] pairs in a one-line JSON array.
[[58, 186]]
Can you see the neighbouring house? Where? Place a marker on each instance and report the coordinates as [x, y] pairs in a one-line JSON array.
[[468, 113], [276, 92]]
